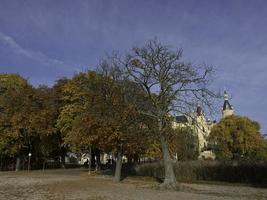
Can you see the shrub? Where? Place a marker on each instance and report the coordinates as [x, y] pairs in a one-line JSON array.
[[192, 171]]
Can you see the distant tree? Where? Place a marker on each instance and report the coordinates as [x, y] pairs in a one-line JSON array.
[[238, 138], [185, 143], [171, 85]]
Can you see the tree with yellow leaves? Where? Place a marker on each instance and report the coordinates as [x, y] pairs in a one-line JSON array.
[[101, 113], [238, 138]]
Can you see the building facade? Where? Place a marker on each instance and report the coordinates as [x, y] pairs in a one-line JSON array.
[[201, 126]]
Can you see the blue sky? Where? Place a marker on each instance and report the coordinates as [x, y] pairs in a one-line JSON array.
[[44, 40]]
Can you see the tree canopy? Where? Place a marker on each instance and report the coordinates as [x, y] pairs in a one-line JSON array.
[[101, 112], [16, 127], [238, 138], [27, 119]]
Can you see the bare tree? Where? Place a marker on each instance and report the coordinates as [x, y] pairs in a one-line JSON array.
[[171, 85]]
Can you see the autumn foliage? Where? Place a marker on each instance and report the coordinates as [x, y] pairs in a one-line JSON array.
[[238, 138]]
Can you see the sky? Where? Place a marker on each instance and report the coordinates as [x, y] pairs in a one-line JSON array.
[[44, 40]]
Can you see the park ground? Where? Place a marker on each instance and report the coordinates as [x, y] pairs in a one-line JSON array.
[[77, 184]]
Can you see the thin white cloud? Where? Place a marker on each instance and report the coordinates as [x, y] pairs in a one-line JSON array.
[[34, 55]]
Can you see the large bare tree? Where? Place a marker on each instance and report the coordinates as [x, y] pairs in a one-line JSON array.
[[171, 85]]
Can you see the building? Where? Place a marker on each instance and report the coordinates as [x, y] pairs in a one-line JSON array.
[[227, 108], [201, 126]]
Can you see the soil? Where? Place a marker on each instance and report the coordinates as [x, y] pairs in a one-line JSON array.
[[77, 184]]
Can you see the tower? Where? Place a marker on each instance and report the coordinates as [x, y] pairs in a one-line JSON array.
[[199, 110], [227, 108], [201, 128]]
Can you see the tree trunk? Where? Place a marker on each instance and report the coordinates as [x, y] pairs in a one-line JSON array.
[[169, 178], [44, 164], [117, 176], [62, 161], [90, 160], [97, 162], [1, 167], [62, 155], [136, 159], [17, 164]]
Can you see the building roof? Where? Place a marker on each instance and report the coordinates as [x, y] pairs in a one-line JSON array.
[[181, 119], [226, 104]]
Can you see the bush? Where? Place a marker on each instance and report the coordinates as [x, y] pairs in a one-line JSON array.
[[192, 171], [155, 170]]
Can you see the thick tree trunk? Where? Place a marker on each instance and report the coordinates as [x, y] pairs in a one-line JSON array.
[[169, 178], [17, 164], [117, 176]]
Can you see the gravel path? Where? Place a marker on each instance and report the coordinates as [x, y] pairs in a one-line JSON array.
[[75, 184]]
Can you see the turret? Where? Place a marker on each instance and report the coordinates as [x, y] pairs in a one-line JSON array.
[[227, 109], [199, 110]]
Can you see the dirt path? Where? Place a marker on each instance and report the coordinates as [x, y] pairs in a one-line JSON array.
[[74, 184]]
